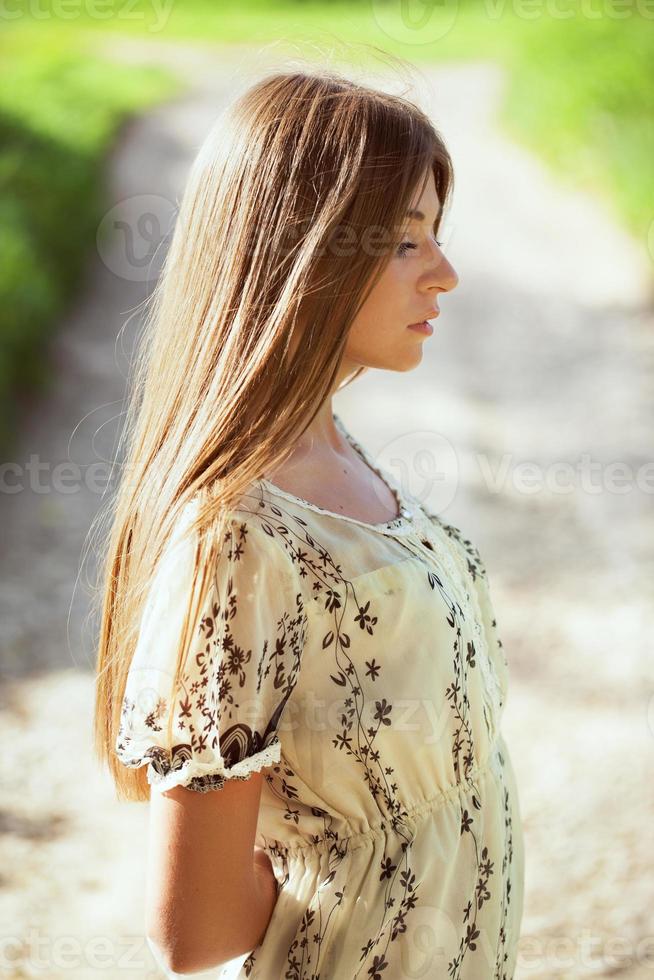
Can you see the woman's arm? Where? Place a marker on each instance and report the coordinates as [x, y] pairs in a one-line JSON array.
[[209, 894]]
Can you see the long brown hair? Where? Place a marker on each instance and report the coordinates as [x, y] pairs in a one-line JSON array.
[[294, 205]]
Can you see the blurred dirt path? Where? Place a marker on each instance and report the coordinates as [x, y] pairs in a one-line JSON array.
[[543, 353]]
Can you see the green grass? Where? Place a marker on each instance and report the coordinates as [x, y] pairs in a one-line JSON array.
[[581, 89], [583, 99], [60, 111]]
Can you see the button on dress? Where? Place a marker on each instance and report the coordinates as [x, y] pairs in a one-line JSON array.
[[359, 665]]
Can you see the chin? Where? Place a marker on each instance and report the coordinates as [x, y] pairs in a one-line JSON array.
[[412, 359], [405, 363], [405, 358]]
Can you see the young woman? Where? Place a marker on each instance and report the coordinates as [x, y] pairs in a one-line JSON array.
[[297, 657]]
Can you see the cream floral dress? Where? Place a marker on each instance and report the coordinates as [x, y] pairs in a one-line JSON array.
[[359, 665]]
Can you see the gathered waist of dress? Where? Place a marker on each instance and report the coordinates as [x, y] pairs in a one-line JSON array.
[[386, 826]]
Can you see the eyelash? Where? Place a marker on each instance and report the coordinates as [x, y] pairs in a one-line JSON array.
[[405, 246]]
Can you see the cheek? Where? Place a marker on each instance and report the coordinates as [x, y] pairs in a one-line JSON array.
[[390, 297], [397, 273], [384, 310]]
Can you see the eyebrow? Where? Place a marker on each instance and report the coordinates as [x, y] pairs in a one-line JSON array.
[[418, 215]]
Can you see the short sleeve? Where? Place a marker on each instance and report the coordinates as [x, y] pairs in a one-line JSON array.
[[240, 670]]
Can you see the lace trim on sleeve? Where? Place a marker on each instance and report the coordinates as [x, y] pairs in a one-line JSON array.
[[202, 777]]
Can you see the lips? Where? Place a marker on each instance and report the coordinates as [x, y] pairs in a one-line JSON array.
[[431, 315]]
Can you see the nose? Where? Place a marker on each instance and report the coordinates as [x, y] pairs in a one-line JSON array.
[[444, 275], [438, 273]]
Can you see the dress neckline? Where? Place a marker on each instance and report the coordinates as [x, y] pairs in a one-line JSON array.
[[398, 523]]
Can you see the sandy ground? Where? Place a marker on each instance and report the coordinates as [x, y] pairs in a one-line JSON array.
[[544, 353]]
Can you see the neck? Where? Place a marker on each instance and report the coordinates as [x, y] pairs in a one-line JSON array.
[[322, 434]]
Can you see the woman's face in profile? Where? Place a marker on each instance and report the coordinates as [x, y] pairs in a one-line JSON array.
[[406, 293]]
